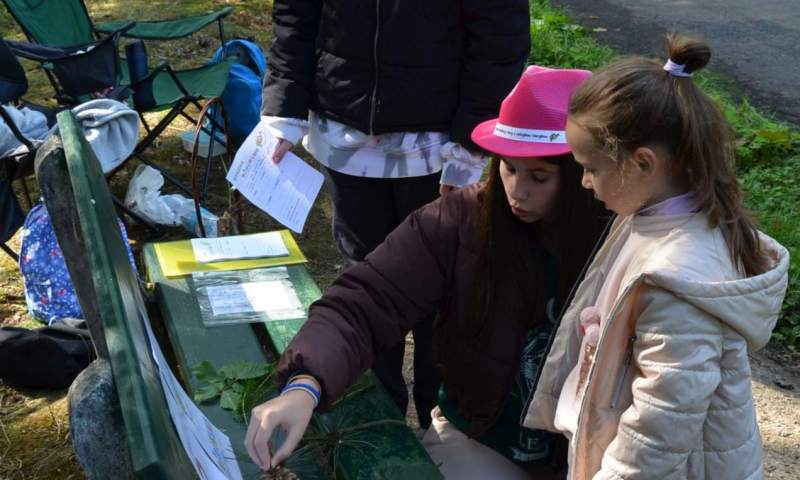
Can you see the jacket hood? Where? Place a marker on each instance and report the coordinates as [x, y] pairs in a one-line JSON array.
[[694, 265]]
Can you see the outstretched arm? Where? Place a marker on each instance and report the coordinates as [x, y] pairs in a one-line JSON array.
[[369, 308]]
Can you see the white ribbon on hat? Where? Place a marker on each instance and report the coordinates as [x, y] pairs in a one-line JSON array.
[[530, 135], [676, 69]]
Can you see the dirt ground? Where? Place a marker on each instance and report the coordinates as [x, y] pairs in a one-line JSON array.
[[776, 389]]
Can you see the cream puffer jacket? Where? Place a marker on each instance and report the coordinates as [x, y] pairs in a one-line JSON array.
[[669, 392]]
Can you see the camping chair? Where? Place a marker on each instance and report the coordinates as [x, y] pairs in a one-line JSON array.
[[13, 85], [76, 72], [72, 32], [19, 164], [172, 90], [11, 217]]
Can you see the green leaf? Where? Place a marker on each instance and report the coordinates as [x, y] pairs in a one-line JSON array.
[[230, 400], [206, 393], [205, 372], [244, 370]]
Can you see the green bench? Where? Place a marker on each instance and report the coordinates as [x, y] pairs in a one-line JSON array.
[[111, 297]]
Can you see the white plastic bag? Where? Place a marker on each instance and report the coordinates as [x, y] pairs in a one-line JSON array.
[[184, 209], [144, 198]]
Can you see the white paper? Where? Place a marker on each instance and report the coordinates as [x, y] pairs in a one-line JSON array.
[[285, 191], [275, 298], [207, 447], [259, 245]]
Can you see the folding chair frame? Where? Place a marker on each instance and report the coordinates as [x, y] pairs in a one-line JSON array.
[[177, 109], [23, 160]]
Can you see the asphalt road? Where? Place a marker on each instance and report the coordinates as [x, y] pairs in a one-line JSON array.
[[755, 43]]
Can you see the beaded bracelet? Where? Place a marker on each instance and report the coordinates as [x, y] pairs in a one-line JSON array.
[[305, 388]]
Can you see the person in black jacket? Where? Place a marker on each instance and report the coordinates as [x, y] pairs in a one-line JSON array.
[[386, 94]]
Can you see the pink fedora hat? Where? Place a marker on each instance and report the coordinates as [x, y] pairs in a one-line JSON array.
[[533, 116]]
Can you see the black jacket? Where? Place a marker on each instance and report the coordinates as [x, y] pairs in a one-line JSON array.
[[396, 65]]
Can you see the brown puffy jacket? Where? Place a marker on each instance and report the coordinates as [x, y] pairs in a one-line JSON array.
[[427, 265]]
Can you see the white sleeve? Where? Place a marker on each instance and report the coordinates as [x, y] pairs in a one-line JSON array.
[[461, 167], [290, 129]]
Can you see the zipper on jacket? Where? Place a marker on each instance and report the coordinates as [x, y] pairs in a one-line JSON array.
[[564, 307], [624, 372], [614, 312], [373, 103]]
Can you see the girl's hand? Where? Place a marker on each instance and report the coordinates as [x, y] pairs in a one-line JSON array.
[[281, 148], [290, 412]]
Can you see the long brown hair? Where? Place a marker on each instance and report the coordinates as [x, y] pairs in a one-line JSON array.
[[634, 102], [511, 279]]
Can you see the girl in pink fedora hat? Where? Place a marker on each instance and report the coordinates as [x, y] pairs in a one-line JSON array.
[[495, 262]]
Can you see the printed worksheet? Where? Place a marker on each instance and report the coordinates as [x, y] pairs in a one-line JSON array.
[[259, 245], [286, 191], [208, 448], [275, 298]]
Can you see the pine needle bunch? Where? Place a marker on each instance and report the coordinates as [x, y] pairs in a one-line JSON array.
[[241, 386]]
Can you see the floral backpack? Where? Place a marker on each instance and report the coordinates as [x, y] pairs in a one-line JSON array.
[[48, 289]]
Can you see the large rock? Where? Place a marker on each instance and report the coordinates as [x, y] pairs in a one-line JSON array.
[[95, 419]]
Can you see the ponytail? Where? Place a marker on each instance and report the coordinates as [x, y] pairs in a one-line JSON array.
[[636, 102]]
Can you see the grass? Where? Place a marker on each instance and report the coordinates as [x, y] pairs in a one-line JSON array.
[[768, 151]]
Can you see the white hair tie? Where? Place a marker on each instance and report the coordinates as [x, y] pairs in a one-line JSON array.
[[676, 69]]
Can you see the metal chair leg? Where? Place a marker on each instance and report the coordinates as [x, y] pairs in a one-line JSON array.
[[26, 193], [9, 252], [150, 226]]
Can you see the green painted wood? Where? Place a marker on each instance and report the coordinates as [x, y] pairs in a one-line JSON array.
[[387, 451], [282, 332], [155, 449], [193, 343], [390, 451]]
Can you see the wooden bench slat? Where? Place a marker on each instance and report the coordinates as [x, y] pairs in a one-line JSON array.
[[193, 343], [391, 447], [155, 449]]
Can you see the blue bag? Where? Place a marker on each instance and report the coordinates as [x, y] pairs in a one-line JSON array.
[[242, 95], [48, 289]]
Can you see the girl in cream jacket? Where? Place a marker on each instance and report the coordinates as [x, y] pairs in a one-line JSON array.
[[648, 374]]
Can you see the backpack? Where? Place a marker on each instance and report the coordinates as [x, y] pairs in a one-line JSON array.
[[242, 94], [49, 357], [48, 289]]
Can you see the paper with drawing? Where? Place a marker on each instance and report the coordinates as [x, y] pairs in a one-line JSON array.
[[286, 190]]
